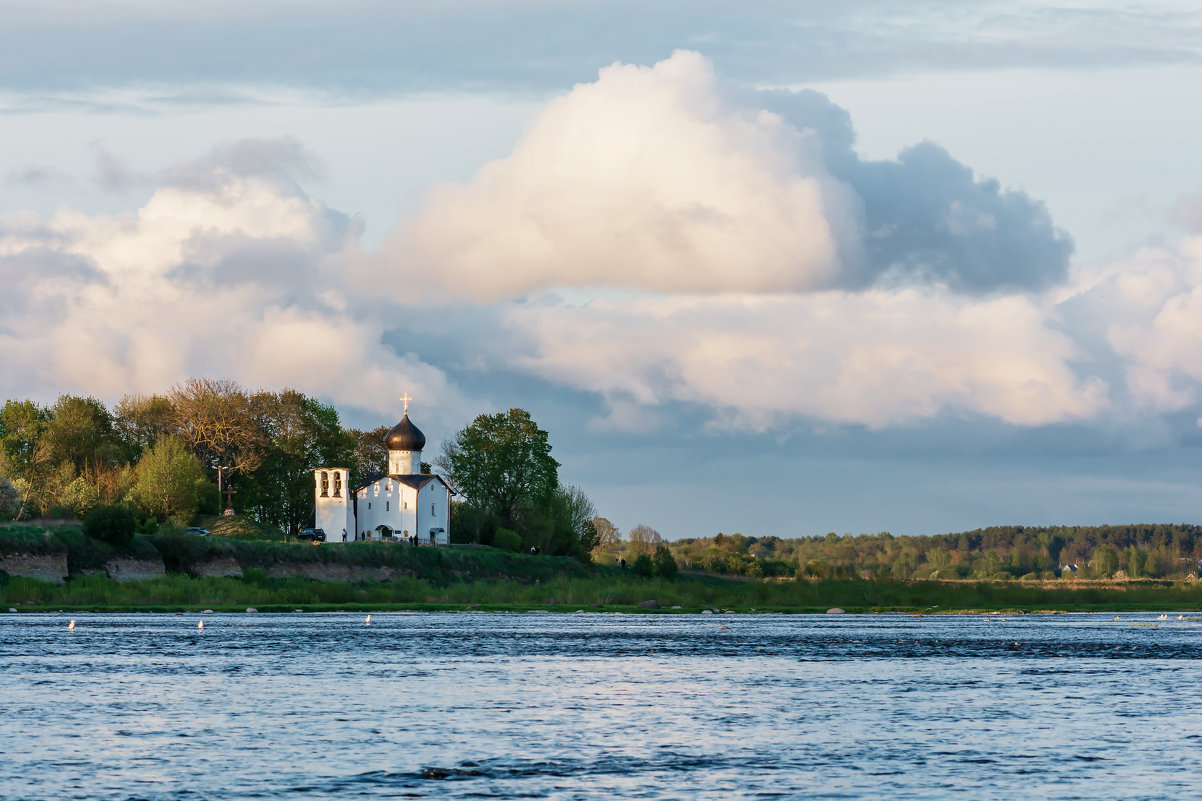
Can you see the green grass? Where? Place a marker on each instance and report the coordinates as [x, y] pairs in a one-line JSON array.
[[602, 590], [18, 538], [241, 528], [493, 579]]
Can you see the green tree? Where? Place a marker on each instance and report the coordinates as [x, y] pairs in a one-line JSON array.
[[76, 496], [665, 565], [139, 421], [561, 525], [27, 455], [300, 434], [579, 512], [502, 463], [939, 557], [168, 482], [1135, 561], [79, 432], [369, 455], [1105, 561]]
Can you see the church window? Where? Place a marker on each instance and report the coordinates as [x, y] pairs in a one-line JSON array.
[[337, 485], [386, 505], [325, 484], [369, 504], [431, 510]]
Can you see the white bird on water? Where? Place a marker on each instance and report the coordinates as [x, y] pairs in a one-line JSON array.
[[71, 626], [200, 625], [368, 621]]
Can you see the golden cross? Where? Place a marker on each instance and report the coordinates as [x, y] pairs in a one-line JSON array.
[[405, 400]]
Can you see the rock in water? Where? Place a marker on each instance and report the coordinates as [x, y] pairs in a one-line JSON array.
[[648, 604], [834, 610], [251, 610]]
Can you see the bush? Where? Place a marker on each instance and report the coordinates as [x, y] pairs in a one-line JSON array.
[[208, 498], [643, 566], [665, 565], [507, 539], [112, 524]]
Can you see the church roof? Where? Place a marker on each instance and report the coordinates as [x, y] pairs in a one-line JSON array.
[[404, 436], [368, 480], [417, 482]]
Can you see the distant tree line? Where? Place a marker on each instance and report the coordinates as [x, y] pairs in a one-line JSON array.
[[1162, 551], [159, 454]]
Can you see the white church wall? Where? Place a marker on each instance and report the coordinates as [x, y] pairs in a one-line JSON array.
[[433, 513], [367, 514], [407, 513]]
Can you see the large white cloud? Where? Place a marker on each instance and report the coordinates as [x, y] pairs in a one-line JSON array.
[[1152, 308], [877, 358], [648, 177], [223, 274], [665, 178]]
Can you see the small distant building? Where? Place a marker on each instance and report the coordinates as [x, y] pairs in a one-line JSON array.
[[1068, 568], [395, 506]]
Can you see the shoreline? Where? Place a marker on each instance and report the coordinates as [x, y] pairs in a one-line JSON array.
[[1193, 614]]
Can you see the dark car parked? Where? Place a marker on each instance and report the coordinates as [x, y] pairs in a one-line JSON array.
[[312, 535]]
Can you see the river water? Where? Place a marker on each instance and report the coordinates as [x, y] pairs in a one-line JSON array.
[[322, 706]]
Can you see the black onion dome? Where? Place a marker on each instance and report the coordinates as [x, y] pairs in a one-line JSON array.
[[404, 436]]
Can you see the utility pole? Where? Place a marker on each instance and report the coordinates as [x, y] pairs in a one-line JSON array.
[[229, 501]]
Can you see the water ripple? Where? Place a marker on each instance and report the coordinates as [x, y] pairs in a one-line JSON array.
[[597, 706]]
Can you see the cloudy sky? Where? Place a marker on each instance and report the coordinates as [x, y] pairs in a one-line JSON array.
[[778, 267]]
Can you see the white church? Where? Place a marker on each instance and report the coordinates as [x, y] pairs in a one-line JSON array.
[[400, 505]]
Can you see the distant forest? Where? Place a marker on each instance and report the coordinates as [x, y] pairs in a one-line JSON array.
[[995, 553]]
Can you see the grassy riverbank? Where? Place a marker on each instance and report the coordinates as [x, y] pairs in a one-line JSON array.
[[608, 590], [278, 576]]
